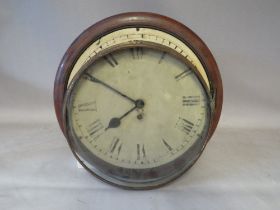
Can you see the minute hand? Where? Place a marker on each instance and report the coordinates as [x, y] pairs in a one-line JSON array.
[[93, 79]]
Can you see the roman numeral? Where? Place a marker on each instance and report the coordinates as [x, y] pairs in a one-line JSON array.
[[116, 145], [191, 100], [162, 57], [138, 151], [111, 60], [141, 152], [88, 106], [119, 149], [184, 125], [167, 145], [183, 74], [95, 127], [137, 53]]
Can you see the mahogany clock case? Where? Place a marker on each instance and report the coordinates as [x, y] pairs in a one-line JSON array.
[[141, 20]]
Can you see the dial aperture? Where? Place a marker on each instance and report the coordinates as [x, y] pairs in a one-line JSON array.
[[147, 108]]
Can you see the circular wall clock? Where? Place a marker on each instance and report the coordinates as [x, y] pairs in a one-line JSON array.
[[138, 96]]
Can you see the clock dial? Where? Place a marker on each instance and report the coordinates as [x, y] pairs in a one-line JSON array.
[[138, 108]]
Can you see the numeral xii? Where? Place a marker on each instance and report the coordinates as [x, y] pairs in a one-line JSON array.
[[137, 52]]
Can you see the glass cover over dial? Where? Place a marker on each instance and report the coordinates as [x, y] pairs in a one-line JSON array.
[[135, 112]]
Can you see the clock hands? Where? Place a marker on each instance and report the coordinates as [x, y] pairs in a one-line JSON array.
[[116, 121], [94, 79]]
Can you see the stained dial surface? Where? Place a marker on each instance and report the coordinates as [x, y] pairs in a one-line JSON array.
[[138, 108]]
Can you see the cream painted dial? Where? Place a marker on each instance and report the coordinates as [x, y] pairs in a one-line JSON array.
[[138, 108]]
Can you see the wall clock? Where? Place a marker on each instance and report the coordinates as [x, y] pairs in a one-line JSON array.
[[138, 96]]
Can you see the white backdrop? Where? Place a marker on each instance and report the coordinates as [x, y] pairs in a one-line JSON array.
[[239, 168]]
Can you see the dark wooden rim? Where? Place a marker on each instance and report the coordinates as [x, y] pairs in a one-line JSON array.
[[137, 19]]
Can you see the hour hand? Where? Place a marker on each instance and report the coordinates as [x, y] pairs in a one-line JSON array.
[[116, 121]]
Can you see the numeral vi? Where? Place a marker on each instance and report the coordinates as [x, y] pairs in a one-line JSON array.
[[115, 146], [141, 152]]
